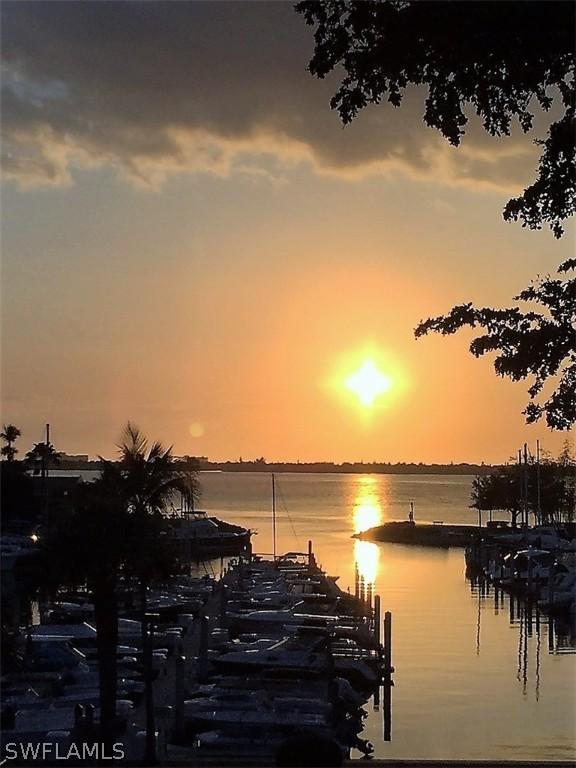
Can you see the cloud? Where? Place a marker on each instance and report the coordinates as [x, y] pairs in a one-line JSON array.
[[153, 89]]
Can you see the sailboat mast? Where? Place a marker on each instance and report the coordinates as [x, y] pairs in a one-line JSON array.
[[273, 516], [526, 505], [538, 489]]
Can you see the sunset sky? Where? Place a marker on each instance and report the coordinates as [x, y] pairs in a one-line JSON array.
[[192, 241]]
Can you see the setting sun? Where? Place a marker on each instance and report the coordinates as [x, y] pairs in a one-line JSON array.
[[368, 383]]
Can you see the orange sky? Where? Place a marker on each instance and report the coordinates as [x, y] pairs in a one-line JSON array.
[[214, 289]]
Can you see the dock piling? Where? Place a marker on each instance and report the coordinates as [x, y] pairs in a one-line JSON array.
[[387, 711], [179, 694], [203, 650], [223, 600], [551, 586], [387, 643]]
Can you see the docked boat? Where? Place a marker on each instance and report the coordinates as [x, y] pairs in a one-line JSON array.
[[527, 566], [196, 534], [14, 549]]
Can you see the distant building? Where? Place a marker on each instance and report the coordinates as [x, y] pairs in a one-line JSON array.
[[68, 458]]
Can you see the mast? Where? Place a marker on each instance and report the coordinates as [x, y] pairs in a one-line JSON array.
[[521, 479], [538, 496], [526, 505], [273, 516]]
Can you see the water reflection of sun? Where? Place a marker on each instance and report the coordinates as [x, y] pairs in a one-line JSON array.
[[366, 556], [366, 514]]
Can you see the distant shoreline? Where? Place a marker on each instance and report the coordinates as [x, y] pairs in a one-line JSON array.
[[319, 468], [351, 469]]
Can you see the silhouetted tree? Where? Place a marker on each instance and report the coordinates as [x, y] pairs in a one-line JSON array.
[[117, 530], [500, 58], [146, 479], [566, 457], [537, 344], [17, 502], [549, 491], [42, 456], [9, 435], [498, 491], [90, 546]]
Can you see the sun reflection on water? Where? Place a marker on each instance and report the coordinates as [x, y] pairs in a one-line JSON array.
[[367, 556], [366, 514]]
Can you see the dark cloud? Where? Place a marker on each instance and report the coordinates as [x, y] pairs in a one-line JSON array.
[[159, 88]]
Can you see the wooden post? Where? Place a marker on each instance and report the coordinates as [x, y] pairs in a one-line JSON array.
[[179, 695], [387, 687], [203, 650], [377, 618], [387, 710], [550, 634], [223, 598], [551, 586], [387, 643]]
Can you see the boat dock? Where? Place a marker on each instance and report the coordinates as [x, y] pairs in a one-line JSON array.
[[269, 662], [279, 656], [537, 564]]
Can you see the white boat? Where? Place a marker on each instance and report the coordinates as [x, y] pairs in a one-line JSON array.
[[197, 534], [528, 566], [263, 718]]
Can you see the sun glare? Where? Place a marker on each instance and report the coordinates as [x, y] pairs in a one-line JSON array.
[[368, 383]]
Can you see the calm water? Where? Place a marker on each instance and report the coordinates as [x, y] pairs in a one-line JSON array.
[[473, 679], [468, 682]]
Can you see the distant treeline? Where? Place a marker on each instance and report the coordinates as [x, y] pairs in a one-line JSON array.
[[261, 465], [382, 468]]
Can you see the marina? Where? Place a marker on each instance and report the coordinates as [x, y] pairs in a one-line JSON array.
[[287, 459], [250, 644], [270, 653]]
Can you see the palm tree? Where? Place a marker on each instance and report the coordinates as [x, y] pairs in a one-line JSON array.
[[114, 532], [41, 456], [146, 475], [90, 545], [146, 479], [9, 434]]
